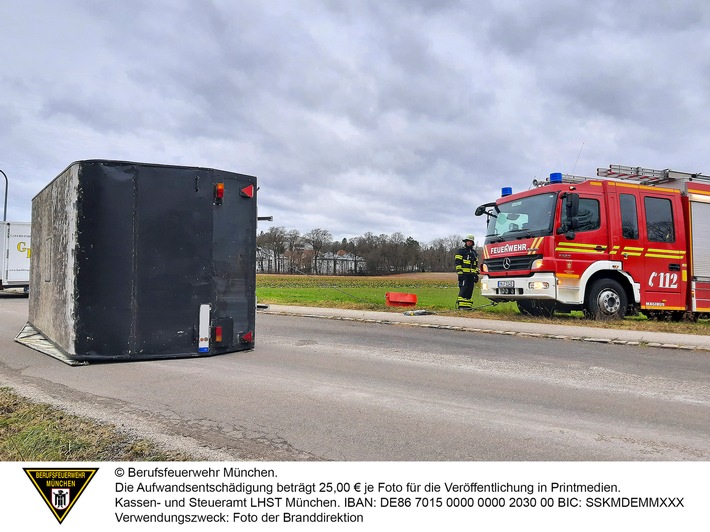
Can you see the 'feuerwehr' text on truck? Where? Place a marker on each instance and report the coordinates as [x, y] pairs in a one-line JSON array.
[[631, 240]]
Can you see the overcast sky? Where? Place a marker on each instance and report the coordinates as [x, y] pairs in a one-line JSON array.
[[355, 116]]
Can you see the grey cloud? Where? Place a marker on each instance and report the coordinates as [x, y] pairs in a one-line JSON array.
[[361, 116]]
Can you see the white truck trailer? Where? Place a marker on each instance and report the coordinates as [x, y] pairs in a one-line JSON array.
[[15, 253]]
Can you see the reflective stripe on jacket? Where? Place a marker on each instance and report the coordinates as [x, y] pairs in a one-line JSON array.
[[466, 260]]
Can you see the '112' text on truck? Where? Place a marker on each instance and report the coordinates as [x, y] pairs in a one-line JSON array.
[[633, 239]]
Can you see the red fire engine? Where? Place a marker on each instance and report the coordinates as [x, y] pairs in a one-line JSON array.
[[633, 239]]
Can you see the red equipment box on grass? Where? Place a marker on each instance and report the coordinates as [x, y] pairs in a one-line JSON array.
[[398, 299]]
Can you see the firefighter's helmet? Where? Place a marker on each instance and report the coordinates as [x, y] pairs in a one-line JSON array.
[[470, 237]]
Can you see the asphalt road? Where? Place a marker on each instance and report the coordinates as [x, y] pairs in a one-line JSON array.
[[323, 389]]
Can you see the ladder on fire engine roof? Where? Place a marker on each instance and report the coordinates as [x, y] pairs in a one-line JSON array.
[[648, 176]]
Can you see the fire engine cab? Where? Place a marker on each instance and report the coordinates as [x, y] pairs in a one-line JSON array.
[[633, 239]]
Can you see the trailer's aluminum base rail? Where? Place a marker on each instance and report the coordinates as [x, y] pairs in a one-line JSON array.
[[34, 339]]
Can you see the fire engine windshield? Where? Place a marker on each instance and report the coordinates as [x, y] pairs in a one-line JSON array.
[[522, 218]]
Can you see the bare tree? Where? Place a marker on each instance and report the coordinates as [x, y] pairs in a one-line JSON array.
[[412, 255], [438, 255], [294, 250], [381, 254], [274, 240], [352, 247], [394, 252], [318, 239]]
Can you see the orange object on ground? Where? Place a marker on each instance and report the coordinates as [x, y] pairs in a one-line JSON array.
[[398, 299]]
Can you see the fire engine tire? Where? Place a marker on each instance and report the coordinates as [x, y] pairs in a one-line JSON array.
[[606, 300], [538, 308]]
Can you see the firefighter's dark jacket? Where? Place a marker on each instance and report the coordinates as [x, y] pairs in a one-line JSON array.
[[466, 260]]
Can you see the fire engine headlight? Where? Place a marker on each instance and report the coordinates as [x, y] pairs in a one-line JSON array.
[[484, 268], [538, 285], [537, 264], [484, 285]]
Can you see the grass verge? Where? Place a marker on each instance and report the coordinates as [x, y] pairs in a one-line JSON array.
[[436, 293], [32, 432]]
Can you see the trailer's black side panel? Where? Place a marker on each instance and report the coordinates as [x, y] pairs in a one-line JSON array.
[[153, 260], [104, 259], [174, 273]]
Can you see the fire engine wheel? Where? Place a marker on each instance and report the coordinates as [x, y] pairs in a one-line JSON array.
[[606, 300], [536, 307]]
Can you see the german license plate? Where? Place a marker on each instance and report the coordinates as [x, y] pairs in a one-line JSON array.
[[506, 284]]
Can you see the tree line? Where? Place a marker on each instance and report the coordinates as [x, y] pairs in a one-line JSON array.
[[281, 250]]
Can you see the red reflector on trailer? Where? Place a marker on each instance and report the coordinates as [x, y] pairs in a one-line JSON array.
[[219, 190], [248, 337], [218, 334], [248, 191]]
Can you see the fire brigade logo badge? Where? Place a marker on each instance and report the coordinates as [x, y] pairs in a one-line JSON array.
[[506, 263], [60, 488]]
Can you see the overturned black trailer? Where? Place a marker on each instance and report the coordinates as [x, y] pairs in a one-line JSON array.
[[135, 261]]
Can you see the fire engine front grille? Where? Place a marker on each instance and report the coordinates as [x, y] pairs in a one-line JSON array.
[[521, 262]]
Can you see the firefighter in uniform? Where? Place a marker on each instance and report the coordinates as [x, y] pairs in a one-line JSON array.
[[466, 260]]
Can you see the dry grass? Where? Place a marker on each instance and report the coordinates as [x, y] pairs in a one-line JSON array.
[[36, 432]]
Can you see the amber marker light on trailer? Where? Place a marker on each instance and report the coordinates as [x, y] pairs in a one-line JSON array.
[[218, 193]]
